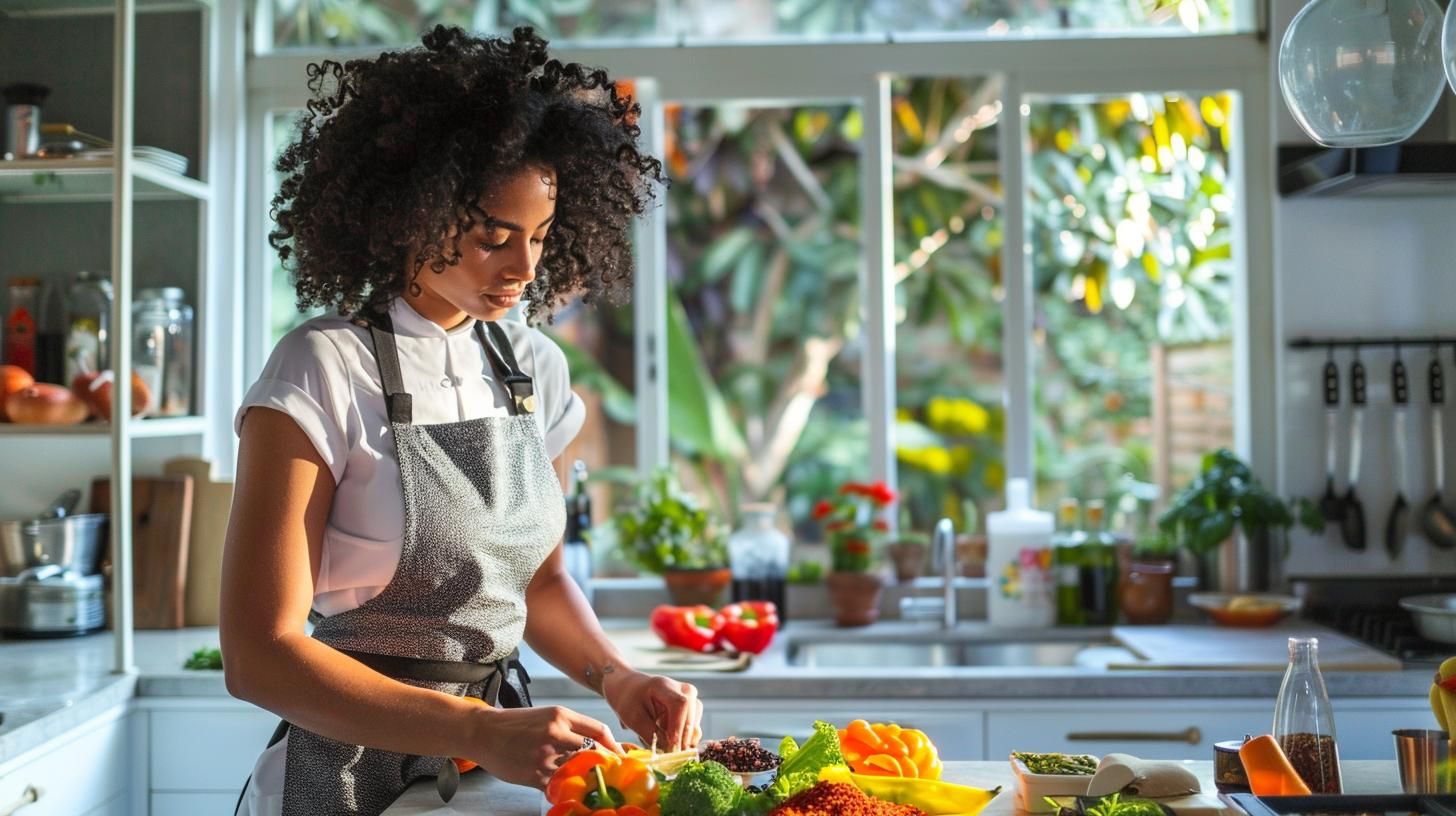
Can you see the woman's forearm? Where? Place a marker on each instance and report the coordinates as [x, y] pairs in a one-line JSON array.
[[562, 628], [315, 687]]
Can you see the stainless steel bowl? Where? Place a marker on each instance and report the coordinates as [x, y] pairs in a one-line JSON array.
[[72, 543], [1434, 615], [1425, 760]]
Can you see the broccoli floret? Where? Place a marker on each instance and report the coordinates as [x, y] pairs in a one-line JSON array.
[[702, 789], [819, 751]]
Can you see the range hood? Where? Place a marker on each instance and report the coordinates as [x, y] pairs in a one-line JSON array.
[[1425, 165]]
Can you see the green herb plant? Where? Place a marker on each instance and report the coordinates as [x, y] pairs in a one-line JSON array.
[[204, 660], [1226, 495], [664, 528]]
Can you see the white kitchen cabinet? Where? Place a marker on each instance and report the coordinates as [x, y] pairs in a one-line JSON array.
[[86, 770], [957, 732], [1363, 726], [193, 804], [204, 746], [1152, 729]]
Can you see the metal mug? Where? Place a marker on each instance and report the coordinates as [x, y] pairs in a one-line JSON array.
[[1424, 758]]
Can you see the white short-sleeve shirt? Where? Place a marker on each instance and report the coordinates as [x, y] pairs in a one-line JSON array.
[[323, 374]]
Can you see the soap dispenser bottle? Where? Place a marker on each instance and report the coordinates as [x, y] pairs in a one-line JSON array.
[[1018, 562]]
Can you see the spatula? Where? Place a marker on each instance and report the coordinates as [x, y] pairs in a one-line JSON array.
[[1438, 523]]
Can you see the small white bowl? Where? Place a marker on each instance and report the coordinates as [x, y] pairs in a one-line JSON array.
[[1033, 788]]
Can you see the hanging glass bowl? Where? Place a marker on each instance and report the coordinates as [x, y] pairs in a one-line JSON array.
[[1360, 73], [1448, 46]]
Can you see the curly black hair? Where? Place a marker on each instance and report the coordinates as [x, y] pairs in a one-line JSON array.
[[396, 153]]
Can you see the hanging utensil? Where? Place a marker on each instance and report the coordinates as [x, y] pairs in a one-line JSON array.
[[1331, 506], [1352, 519], [1438, 523], [1396, 519]]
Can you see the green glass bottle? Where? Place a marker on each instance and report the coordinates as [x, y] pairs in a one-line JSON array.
[[1067, 563], [1098, 569]]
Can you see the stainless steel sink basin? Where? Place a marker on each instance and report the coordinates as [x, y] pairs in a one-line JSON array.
[[841, 653]]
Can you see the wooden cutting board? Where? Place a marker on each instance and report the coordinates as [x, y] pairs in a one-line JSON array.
[[161, 514], [1217, 647], [212, 501], [645, 652]]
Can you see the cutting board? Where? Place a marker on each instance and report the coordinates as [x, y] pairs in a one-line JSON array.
[[644, 651], [212, 502], [1217, 647], [161, 512]]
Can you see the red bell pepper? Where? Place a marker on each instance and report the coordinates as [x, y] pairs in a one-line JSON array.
[[749, 626], [687, 627]]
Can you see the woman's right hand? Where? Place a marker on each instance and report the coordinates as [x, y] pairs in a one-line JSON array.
[[524, 746]]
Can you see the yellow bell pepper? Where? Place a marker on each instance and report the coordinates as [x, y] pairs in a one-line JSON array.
[[934, 797], [886, 749]]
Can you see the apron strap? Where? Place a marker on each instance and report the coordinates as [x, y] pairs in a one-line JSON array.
[[503, 363], [396, 400]]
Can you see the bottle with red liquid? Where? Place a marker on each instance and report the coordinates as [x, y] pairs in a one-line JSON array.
[[22, 318], [1304, 724]]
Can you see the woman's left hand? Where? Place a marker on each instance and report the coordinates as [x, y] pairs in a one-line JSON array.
[[656, 707]]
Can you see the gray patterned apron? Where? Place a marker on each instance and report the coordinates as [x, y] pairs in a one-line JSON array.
[[482, 510]]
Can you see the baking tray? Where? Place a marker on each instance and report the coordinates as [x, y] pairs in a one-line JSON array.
[[1415, 804]]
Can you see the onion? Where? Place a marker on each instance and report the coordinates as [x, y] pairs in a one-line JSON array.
[[97, 391], [45, 404]]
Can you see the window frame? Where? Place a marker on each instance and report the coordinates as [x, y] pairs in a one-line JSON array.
[[859, 73]]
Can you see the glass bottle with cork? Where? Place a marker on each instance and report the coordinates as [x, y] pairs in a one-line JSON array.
[[1304, 724], [1098, 569]]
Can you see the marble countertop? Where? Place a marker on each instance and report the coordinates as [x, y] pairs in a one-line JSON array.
[[49, 686], [482, 795]]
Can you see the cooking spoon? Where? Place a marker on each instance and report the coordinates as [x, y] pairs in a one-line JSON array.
[[1352, 519], [1437, 521], [1395, 521], [1331, 506]]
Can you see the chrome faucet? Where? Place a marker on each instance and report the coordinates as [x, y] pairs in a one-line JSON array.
[[944, 545]]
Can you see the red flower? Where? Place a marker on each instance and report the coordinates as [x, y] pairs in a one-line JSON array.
[[881, 525], [880, 493], [835, 526], [822, 509], [857, 547]]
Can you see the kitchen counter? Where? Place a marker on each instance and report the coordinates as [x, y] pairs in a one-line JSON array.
[[481, 795], [49, 686]]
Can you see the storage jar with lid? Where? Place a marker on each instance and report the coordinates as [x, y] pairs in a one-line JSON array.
[[162, 349], [88, 320]]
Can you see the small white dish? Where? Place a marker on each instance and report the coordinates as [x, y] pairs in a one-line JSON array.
[[1033, 788]]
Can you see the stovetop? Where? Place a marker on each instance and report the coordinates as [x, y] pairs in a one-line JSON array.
[[1368, 610]]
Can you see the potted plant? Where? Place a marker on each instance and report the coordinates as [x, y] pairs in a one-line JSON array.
[[1226, 498], [854, 524], [908, 552], [664, 531]]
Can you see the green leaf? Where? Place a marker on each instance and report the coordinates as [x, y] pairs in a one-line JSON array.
[[723, 253], [701, 421]]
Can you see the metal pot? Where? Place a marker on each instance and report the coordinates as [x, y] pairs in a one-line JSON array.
[[1434, 615], [72, 543]]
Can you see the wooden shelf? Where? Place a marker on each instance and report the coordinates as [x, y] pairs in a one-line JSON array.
[[66, 8], [140, 429], [44, 181]]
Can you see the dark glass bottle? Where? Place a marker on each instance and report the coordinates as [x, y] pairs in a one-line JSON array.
[[578, 523], [1067, 561]]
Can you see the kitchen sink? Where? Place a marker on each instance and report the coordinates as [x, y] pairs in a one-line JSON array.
[[948, 653]]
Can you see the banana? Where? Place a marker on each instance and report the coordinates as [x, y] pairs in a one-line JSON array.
[[1443, 701]]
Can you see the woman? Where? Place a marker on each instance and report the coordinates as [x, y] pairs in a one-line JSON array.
[[395, 480]]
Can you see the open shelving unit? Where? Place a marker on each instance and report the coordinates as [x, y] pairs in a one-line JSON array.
[[163, 224]]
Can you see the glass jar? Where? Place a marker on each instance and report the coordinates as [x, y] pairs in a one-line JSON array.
[[21, 316], [88, 318], [162, 349], [758, 555], [1304, 724], [1146, 596]]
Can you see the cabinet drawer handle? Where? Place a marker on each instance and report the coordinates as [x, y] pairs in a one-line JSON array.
[[1190, 735], [29, 796]]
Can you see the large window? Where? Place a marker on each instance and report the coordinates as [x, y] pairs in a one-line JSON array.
[[937, 265], [1130, 204], [335, 23]]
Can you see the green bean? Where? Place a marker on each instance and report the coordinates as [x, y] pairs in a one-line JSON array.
[[1061, 764]]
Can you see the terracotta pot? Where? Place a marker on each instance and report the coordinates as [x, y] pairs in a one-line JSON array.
[[971, 555], [1146, 594], [855, 597], [690, 587], [909, 558]]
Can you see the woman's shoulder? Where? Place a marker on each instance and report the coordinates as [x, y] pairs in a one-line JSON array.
[[323, 342]]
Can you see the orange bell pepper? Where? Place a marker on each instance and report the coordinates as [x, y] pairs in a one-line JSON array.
[[886, 749], [602, 784]]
